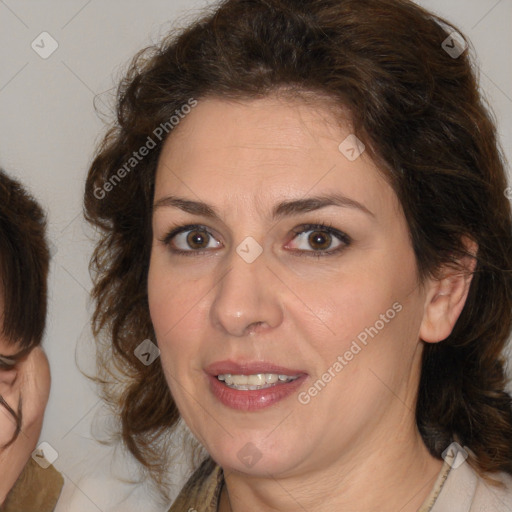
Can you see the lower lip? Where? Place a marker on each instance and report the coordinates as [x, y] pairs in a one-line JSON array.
[[253, 400]]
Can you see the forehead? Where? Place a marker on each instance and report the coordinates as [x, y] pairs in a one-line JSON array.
[[266, 127], [258, 149]]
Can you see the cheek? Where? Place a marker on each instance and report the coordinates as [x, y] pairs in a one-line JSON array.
[[7, 427], [173, 310], [349, 305], [7, 421], [368, 315], [175, 306], [165, 295]]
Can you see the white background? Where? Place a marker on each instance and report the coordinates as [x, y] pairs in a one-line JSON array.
[[49, 129]]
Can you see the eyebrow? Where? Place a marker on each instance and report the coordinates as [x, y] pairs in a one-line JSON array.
[[282, 209]]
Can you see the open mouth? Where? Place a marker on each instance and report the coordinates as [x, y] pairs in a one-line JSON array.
[[255, 381], [252, 385]]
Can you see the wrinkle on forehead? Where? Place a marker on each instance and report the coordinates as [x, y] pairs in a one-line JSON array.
[[264, 151], [332, 113]]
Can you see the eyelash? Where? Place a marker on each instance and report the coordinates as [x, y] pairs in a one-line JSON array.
[[324, 228], [7, 366]]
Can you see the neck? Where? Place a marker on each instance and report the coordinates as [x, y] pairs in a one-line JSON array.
[[397, 475]]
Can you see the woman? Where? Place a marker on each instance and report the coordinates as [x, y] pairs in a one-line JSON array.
[[302, 205], [24, 371]]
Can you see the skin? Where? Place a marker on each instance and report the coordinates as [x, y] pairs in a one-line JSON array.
[[355, 446], [29, 379]]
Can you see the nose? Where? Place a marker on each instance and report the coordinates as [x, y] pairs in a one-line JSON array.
[[246, 299]]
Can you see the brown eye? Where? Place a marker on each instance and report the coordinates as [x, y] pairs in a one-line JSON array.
[[190, 239], [198, 239], [320, 240]]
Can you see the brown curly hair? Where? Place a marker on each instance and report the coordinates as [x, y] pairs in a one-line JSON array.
[[418, 110]]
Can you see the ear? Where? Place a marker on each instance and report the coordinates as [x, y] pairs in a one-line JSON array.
[[446, 296]]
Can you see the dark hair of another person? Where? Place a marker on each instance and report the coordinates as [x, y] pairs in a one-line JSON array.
[[422, 119], [24, 262]]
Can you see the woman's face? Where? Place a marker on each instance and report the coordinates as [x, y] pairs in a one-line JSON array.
[[8, 376], [25, 384], [253, 293], [24, 379]]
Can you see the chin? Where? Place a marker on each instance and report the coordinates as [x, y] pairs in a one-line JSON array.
[[256, 456]]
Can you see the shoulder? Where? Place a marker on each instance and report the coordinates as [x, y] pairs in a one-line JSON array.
[[491, 497], [37, 489], [466, 491], [106, 477]]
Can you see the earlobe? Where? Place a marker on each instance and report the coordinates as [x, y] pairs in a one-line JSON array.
[[445, 298]]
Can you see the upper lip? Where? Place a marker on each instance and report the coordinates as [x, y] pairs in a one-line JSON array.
[[249, 368]]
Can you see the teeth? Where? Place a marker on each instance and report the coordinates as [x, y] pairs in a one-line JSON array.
[[256, 381]]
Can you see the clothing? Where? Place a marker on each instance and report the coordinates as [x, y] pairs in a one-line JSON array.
[[457, 489], [202, 491], [36, 490]]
